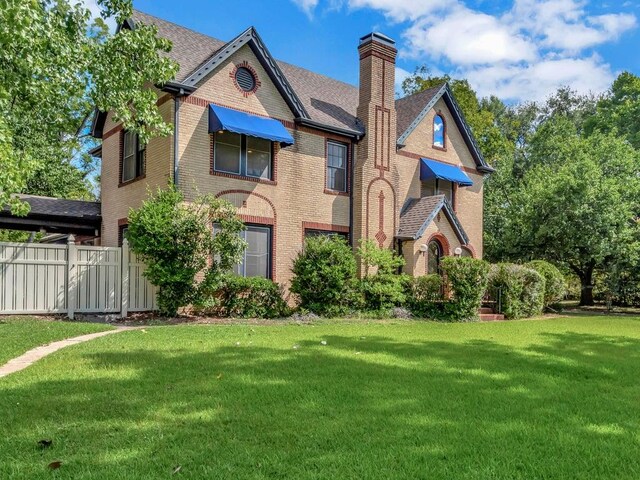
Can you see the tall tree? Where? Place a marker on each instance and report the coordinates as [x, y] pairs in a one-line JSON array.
[[619, 110], [577, 204], [56, 64]]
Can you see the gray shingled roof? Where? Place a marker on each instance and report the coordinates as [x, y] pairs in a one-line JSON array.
[[418, 214], [409, 107], [58, 207], [327, 100]]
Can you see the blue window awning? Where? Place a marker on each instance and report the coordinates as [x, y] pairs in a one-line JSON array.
[[430, 169], [221, 118]]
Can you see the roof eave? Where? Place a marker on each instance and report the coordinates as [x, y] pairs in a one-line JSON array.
[[330, 129]]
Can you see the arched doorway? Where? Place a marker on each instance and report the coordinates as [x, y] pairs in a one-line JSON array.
[[434, 255]]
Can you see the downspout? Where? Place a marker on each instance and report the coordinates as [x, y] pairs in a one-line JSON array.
[[351, 175], [176, 137]]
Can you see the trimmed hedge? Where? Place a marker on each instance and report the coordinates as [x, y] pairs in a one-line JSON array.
[[467, 280], [243, 297], [518, 290], [325, 276], [555, 285], [424, 296]]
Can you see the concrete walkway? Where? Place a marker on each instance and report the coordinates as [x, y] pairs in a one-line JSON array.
[[35, 354]]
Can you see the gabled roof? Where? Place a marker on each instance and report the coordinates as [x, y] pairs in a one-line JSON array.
[[418, 214], [325, 100], [428, 99], [317, 100]]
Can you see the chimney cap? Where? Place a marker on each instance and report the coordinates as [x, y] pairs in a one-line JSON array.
[[379, 38]]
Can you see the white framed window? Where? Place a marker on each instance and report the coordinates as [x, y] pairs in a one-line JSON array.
[[256, 259], [133, 152], [242, 155], [436, 186], [438, 131], [337, 166]]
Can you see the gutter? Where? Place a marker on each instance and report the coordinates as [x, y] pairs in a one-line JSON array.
[[305, 122], [351, 183]]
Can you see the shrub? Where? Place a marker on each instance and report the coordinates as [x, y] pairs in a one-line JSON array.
[[555, 285], [518, 290], [382, 287], [425, 296], [243, 297], [174, 240], [325, 276], [466, 279]]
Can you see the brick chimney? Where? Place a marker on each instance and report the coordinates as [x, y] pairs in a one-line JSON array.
[[375, 202]]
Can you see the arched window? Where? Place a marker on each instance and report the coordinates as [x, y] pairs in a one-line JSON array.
[[438, 131], [434, 254]]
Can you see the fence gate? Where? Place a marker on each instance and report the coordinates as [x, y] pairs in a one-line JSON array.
[[68, 279]]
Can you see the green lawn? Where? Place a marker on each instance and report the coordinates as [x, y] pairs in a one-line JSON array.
[[541, 399], [19, 334]]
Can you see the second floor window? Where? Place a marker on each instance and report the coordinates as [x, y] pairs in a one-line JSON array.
[[242, 155], [438, 131], [132, 157], [336, 167], [439, 187]]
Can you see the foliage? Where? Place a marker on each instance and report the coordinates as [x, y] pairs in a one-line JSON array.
[[466, 280], [325, 276], [424, 296], [519, 291], [56, 66], [382, 286], [175, 241], [243, 297], [555, 287]]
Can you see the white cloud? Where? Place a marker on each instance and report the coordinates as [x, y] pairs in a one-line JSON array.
[[523, 53], [538, 80], [401, 75], [466, 37], [307, 6]]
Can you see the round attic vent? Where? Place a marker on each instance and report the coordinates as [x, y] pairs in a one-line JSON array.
[[245, 79]]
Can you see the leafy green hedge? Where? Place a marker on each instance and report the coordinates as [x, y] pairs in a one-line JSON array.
[[465, 283], [424, 296], [467, 280], [243, 297], [325, 276], [555, 287], [518, 290]]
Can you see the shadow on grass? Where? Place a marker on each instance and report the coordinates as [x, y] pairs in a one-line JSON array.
[[356, 408]]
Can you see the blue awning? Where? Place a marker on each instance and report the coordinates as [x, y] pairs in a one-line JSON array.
[[430, 169], [221, 118]]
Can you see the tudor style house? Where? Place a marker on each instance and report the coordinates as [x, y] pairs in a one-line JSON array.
[[302, 154]]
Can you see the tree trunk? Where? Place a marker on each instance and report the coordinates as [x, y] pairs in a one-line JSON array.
[[586, 284]]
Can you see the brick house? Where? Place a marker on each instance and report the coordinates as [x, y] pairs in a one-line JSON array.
[[302, 154]]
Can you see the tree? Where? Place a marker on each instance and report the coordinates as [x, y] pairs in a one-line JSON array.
[[56, 65], [619, 110], [577, 205], [175, 241]]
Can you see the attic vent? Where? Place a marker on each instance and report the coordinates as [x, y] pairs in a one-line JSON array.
[[245, 79]]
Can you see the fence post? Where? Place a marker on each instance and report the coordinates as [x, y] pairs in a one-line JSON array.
[[124, 294], [72, 276]]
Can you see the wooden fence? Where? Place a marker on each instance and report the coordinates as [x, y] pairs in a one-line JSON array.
[[68, 279]]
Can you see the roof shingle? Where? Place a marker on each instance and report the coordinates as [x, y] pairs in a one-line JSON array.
[[327, 100]]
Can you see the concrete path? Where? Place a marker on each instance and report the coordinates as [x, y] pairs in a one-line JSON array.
[[35, 354]]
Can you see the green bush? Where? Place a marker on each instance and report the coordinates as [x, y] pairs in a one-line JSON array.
[[466, 279], [242, 297], [382, 287], [424, 296], [519, 291], [174, 240], [325, 276], [555, 285]]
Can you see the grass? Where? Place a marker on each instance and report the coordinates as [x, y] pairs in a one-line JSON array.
[[547, 399], [20, 334]]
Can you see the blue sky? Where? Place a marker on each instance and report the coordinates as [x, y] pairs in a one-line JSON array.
[[516, 49]]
